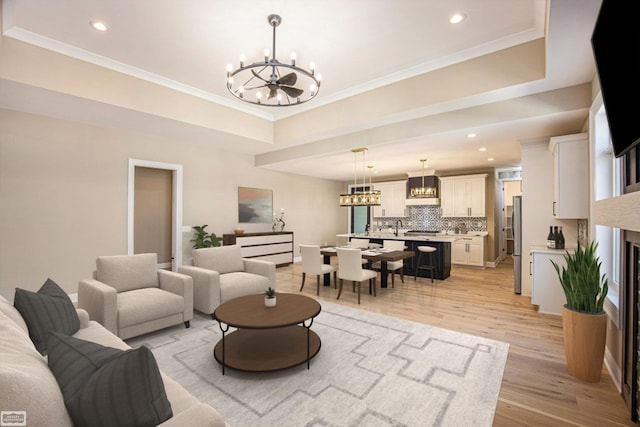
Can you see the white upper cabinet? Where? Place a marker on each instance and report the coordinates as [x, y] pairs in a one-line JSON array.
[[570, 176], [393, 199], [463, 196]]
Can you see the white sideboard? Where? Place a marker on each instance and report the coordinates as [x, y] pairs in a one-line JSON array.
[[276, 247]]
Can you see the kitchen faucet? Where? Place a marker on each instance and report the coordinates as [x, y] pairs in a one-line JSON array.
[[400, 222]]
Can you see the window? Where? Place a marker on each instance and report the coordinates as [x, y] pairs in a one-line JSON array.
[[607, 182]]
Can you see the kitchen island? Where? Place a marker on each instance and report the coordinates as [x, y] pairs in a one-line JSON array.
[[440, 241]]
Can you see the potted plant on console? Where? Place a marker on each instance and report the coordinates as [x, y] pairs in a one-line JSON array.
[[202, 239], [270, 297], [584, 321]]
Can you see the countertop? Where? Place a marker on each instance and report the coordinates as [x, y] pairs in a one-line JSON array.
[[546, 250], [440, 237]]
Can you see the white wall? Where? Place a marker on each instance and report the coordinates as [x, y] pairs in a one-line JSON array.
[[63, 196]]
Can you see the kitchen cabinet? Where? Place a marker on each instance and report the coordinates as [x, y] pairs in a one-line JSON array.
[[276, 247], [393, 198], [468, 250], [546, 290], [463, 196], [570, 176]]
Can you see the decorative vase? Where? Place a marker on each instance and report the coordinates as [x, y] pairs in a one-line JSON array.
[[269, 302], [584, 342]]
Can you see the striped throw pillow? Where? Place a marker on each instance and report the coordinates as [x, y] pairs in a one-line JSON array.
[[104, 386], [49, 309]]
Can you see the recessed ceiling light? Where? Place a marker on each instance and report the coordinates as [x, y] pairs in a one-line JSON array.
[[482, 149], [456, 18], [98, 25], [471, 135], [490, 159]]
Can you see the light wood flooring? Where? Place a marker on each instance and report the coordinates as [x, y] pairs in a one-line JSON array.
[[536, 388]]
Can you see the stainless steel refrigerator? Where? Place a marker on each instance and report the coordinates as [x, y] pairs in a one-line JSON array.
[[516, 224]]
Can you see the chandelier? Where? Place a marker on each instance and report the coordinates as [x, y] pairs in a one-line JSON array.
[[423, 191], [361, 197], [270, 82]]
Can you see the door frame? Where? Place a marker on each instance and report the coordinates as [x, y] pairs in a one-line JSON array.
[[176, 208]]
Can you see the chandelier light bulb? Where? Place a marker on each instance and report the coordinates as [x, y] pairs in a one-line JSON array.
[[319, 77], [266, 55], [313, 89], [242, 59], [293, 58], [312, 66]]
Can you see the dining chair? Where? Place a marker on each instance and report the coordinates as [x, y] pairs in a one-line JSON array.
[[312, 264], [392, 266], [360, 244], [350, 268]]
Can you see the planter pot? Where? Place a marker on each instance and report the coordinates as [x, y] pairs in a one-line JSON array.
[[584, 342], [269, 302]]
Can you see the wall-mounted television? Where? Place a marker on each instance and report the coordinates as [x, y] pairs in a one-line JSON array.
[[616, 49]]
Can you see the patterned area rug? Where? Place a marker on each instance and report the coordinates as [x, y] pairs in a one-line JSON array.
[[372, 370]]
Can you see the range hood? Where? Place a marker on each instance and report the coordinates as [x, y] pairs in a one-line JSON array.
[[430, 181]]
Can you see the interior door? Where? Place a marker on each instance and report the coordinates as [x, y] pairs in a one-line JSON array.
[[141, 232], [153, 217]]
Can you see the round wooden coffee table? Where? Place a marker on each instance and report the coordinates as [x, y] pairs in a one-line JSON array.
[[267, 338]]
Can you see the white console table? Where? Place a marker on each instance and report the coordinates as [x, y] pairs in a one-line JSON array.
[[276, 247]]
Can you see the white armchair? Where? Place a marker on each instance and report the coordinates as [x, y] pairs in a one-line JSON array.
[[129, 295], [220, 274]]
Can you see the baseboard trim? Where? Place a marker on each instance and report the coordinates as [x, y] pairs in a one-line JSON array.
[[614, 370]]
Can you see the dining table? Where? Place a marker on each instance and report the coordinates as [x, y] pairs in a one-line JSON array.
[[382, 255]]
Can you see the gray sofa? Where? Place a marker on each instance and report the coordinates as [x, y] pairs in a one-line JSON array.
[[220, 274], [28, 385]]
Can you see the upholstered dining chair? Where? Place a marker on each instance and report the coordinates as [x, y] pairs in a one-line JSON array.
[[361, 244], [312, 264], [350, 268], [392, 266]]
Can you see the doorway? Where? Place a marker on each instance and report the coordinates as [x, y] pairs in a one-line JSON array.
[[154, 218], [510, 189]]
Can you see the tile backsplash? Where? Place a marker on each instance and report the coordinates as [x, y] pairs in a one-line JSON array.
[[428, 218]]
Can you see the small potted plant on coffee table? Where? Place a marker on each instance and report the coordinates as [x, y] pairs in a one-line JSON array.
[[270, 297]]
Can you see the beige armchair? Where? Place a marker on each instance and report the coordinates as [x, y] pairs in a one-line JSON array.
[[129, 295], [220, 274]]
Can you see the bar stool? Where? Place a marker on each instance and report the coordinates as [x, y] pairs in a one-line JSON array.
[[430, 253]]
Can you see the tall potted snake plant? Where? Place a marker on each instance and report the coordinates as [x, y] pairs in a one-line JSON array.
[[584, 321]]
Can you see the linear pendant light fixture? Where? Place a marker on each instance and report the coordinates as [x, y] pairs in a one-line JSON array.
[[423, 191], [361, 197], [270, 82]]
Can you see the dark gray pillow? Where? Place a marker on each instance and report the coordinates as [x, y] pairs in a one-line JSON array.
[[104, 386], [49, 309]]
